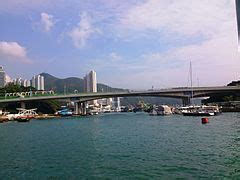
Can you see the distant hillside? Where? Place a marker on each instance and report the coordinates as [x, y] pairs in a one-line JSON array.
[[234, 83], [73, 83], [70, 84]]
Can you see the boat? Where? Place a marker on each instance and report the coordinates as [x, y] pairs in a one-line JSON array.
[[22, 119], [199, 113], [202, 110], [64, 112], [24, 115]]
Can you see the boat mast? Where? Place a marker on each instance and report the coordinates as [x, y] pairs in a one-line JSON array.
[[191, 100]]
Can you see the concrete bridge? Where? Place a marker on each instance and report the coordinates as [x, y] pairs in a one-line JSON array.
[[184, 93]]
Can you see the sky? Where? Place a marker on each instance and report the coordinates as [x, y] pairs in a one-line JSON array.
[[134, 44]]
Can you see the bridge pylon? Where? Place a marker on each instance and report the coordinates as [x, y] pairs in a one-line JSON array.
[[23, 105], [186, 101], [77, 108], [80, 108]]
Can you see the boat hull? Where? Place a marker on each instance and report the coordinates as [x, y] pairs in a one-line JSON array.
[[198, 114]]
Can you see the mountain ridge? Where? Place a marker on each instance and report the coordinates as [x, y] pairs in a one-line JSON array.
[[70, 84]]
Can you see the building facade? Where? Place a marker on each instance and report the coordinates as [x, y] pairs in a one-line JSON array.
[[90, 82], [2, 77], [90, 85], [38, 82]]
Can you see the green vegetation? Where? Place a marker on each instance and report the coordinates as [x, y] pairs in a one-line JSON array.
[[12, 88], [72, 84], [44, 106], [224, 97]]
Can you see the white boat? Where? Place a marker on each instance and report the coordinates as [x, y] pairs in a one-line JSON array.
[[23, 115], [202, 110]]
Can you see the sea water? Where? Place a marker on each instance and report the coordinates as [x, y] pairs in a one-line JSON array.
[[121, 146]]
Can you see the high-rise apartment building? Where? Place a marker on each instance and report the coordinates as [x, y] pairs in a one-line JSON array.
[[33, 84], [90, 84], [42, 83], [26, 83], [2, 77], [38, 82], [19, 81]]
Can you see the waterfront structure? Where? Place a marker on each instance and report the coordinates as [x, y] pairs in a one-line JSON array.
[[179, 93], [90, 84], [116, 106], [2, 77], [105, 101]]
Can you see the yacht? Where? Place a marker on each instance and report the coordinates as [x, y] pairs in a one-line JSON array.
[[202, 110], [23, 115]]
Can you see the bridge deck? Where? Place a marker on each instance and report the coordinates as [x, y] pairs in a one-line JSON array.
[[173, 92]]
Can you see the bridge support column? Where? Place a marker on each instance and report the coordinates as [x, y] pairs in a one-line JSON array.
[[84, 108], [186, 101], [23, 105], [76, 108]]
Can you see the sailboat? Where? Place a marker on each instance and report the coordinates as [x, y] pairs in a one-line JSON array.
[[201, 110]]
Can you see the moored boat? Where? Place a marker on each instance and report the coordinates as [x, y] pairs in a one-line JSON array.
[[201, 113], [64, 112], [200, 110], [24, 115]]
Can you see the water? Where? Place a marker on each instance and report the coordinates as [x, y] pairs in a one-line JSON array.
[[123, 146]]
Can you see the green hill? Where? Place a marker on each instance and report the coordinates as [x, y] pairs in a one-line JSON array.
[[69, 85]]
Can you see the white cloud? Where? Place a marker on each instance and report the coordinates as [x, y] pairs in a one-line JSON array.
[[47, 21], [83, 31], [185, 17], [215, 62], [13, 51]]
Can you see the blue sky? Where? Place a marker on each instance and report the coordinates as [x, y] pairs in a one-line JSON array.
[[133, 44]]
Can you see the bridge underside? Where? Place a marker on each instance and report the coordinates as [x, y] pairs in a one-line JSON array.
[[143, 95], [179, 93]]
